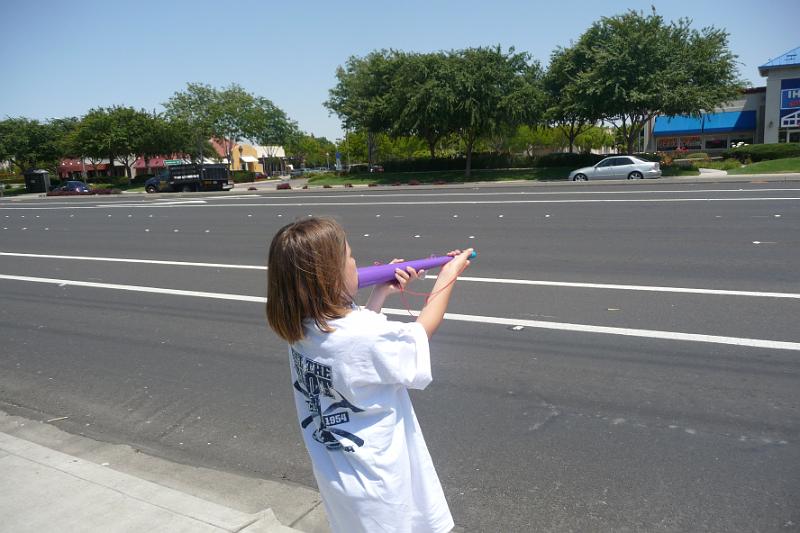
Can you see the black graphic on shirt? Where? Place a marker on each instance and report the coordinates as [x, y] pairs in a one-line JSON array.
[[315, 380]]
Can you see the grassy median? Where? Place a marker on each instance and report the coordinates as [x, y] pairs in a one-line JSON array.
[[773, 166]]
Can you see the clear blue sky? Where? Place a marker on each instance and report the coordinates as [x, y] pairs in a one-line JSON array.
[[61, 58]]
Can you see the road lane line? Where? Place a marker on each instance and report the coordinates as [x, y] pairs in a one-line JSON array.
[[504, 281], [371, 203], [381, 194], [137, 288], [539, 324], [617, 287], [130, 260]]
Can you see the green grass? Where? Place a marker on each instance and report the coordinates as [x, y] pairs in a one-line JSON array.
[[15, 191], [789, 164], [456, 176], [727, 164], [675, 170]]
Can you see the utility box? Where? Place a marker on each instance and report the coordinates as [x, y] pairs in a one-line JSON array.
[[37, 181]]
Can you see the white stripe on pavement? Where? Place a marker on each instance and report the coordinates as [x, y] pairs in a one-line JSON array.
[[137, 288], [372, 203], [540, 324], [129, 260], [505, 281], [382, 194], [612, 286]]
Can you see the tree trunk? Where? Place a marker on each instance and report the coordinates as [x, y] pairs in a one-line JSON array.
[[370, 148], [431, 145], [468, 171], [572, 136]]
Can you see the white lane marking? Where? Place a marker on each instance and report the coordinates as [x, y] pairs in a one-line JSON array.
[[507, 193], [507, 281], [560, 326], [237, 197], [129, 260], [612, 286], [137, 288], [435, 202], [127, 202]]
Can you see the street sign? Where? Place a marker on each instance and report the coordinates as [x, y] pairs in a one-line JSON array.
[[173, 162]]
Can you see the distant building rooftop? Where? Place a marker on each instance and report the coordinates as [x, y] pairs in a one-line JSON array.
[[789, 59]]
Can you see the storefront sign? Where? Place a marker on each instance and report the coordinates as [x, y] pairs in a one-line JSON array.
[[790, 103]]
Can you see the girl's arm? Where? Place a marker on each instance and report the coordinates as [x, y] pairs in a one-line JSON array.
[[380, 292], [432, 314]]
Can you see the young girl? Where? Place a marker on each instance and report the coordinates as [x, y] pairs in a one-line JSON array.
[[351, 369]]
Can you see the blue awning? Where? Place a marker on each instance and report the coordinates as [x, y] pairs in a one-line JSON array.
[[677, 125], [729, 121]]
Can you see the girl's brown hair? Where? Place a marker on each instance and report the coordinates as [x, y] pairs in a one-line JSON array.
[[305, 277]]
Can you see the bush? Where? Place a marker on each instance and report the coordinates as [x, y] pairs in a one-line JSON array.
[[568, 159], [763, 152], [657, 157], [727, 164], [76, 193], [480, 161], [697, 155], [243, 176]]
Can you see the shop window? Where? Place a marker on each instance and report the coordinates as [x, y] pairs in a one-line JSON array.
[[667, 144], [742, 139], [691, 143], [794, 136], [715, 144]]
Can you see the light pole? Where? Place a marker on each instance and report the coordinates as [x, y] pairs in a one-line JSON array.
[[327, 161]]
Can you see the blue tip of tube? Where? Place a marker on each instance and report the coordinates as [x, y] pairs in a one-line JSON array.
[[473, 255]]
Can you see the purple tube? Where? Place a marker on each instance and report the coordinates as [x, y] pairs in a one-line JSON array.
[[374, 275]]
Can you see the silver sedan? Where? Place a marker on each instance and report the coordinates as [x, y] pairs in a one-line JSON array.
[[618, 168]]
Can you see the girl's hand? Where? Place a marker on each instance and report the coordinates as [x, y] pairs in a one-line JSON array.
[[402, 277], [460, 262]]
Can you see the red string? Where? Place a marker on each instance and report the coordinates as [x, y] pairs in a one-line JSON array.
[[428, 295]]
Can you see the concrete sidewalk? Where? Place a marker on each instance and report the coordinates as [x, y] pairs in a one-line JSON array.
[[44, 489]]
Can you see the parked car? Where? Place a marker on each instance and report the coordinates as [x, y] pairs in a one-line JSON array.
[[618, 168], [75, 186]]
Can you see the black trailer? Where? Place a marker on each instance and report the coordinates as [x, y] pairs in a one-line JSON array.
[[190, 178]]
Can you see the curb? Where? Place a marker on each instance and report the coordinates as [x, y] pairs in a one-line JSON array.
[[150, 502], [49, 472]]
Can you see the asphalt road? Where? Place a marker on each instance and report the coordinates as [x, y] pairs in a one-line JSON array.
[[679, 414]]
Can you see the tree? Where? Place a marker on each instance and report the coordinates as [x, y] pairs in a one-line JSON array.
[[492, 91], [161, 137], [421, 98], [310, 150], [595, 138], [268, 125], [231, 111], [566, 108], [128, 133], [197, 107], [638, 67], [231, 115], [29, 143], [361, 96]]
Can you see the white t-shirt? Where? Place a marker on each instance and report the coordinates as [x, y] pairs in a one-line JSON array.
[[370, 460]]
